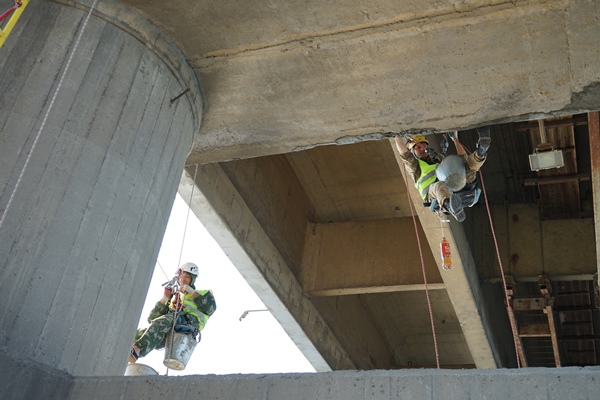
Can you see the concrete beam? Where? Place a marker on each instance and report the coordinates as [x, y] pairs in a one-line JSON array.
[[372, 259], [225, 215], [462, 282], [274, 86]]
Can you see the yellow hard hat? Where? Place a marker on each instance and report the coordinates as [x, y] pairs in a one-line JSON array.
[[417, 139]]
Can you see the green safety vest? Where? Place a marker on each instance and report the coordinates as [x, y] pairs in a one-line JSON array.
[[189, 307], [426, 179]]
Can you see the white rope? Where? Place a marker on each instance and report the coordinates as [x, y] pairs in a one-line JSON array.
[[56, 91], [187, 218]]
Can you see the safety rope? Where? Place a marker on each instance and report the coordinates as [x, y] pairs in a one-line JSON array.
[[412, 212], [178, 297], [508, 305], [37, 136], [10, 10]]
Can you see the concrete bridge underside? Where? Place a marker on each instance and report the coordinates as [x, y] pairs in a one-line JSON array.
[[279, 117]]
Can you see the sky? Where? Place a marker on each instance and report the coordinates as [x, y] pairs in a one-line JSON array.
[[256, 344]]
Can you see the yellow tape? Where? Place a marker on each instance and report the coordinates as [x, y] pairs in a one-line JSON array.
[[12, 21]]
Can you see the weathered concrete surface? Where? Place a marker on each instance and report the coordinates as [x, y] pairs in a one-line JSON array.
[[368, 261], [424, 384], [79, 242], [281, 77], [220, 208], [277, 78], [26, 379], [21, 379]]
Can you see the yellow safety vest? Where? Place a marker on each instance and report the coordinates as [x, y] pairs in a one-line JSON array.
[[427, 177], [189, 307]]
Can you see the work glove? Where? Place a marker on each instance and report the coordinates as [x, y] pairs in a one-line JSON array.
[[187, 289], [168, 293]]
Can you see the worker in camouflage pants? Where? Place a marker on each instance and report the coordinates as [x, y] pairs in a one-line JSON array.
[[161, 322], [192, 307]]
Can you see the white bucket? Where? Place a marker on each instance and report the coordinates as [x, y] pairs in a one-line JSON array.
[[452, 171], [139, 370], [178, 350]]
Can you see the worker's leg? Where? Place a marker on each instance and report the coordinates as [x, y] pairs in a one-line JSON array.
[[473, 165], [475, 161], [448, 200], [156, 332], [484, 142], [460, 148]]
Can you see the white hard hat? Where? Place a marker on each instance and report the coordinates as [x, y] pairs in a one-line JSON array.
[[190, 268]]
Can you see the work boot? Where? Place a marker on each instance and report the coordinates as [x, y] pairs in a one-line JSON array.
[[484, 141], [455, 207]]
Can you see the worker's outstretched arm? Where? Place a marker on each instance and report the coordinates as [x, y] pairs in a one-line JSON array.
[[460, 148], [401, 145]]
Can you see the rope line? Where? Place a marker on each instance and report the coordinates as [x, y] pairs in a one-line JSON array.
[[37, 137], [508, 306], [412, 212], [187, 218], [9, 11]]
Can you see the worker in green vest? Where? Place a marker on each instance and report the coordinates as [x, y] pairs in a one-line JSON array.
[[186, 310], [421, 162]]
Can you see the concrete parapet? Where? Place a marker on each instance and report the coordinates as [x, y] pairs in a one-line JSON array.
[[25, 379], [20, 379], [504, 384]]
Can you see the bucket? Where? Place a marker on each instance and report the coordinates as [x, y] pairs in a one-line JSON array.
[[452, 171], [139, 370], [178, 350]]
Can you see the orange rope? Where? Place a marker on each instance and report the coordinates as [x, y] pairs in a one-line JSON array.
[[410, 203], [508, 306]]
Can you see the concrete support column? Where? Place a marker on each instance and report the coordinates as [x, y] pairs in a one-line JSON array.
[[79, 241]]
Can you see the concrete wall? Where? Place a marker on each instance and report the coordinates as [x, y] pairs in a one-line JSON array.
[[278, 201], [21, 379], [528, 247], [82, 224], [530, 383]]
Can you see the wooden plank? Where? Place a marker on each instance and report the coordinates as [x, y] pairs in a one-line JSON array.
[[576, 121], [534, 330], [553, 336], [529, 304], [519, 342], [547, 180]]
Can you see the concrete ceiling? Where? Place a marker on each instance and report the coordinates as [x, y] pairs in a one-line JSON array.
[[340, 221], [300, 101], [279, 77]]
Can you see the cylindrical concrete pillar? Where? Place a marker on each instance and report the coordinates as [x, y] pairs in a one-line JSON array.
[[80, 238]]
